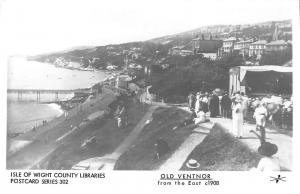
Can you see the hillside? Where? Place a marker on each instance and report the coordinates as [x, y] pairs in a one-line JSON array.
[[115, 54], [169, 64]]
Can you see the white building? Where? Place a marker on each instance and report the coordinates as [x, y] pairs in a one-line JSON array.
[[242, 47], [228, 44], [257, 48]]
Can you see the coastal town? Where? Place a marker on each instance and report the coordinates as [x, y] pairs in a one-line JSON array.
[[215, 98]]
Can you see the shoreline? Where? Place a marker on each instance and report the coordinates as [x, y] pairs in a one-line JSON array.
[[66, 105], [50, 133], [81, 68]]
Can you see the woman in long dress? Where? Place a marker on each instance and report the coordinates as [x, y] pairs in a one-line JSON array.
[[237, 118], [197, 103]]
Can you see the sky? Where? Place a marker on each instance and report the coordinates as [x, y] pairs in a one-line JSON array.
[[36, 26]]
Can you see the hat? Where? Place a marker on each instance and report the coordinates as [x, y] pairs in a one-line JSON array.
[[192, 163], [238, 99], [267, 149]]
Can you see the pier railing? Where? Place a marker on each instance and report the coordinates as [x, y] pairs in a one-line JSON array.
[[38, 92]]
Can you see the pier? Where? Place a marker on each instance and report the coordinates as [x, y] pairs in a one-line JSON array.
[[38, 92]]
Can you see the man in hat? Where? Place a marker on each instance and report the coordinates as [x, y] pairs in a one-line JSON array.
[[214, 106], [268, 162], [226, 105], [260, 116]]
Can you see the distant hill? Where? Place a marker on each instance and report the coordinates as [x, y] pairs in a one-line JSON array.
[[115, 54]]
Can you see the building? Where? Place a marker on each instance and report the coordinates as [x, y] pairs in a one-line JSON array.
[[208, 48], [257, 48], [261, 80], [228, 45], [186, 53], [242, 47], [179, 51], [277, 45]]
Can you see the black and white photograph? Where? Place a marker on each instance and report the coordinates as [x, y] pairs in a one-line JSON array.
[[170, 86], [148, 94]]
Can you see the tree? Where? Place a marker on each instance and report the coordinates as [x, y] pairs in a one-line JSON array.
[[197, 74]]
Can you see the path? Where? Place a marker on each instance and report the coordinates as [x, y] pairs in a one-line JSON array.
[[283, 141], [177, 159], [107, 162]]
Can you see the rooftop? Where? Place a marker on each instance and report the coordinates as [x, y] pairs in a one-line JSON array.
[[230, 39], [277, 42], [260, 42], [245, 41]]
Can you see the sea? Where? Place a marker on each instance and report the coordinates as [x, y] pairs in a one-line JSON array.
[[23, 114]]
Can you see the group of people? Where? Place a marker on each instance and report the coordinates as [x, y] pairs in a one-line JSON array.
[[202, 103], [240, 108], [279, 109]]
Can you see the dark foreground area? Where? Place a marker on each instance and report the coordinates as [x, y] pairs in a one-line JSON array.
[[166, 124], [220, 151]]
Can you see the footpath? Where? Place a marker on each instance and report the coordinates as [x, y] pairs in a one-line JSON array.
[[283, 141], [107, 162], [177, 159], [42, 142]]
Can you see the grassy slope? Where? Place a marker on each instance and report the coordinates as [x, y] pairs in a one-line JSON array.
[[221, 151], [107, 134], [141, 155]]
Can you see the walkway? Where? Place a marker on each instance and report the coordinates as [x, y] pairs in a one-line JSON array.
[[283, 141], [177, 159], [107, 162]]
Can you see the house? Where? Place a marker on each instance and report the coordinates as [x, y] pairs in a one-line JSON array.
[[186, 53], [228, 45], [277, 45], [208, 48], [257, 48], [242, 47], [179, 51]]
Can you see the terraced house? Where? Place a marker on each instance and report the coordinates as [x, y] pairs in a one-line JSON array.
[[257, 48]]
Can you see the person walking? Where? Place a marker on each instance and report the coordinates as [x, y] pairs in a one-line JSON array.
[[226, 105], [197, 103], [260, 116], [214, 106], [66, 113], [237, 118], [204, 101], [191, 101], [245, 104]]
